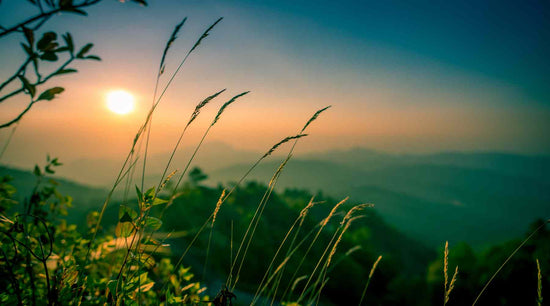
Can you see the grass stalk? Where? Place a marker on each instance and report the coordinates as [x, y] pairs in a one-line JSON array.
[[371, 273], [256, 220], [508, 259], [539, 284]]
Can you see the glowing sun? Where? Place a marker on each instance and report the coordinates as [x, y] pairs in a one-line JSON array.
[[120, 102]]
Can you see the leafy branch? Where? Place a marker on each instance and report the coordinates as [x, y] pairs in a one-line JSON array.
[[46, 49]]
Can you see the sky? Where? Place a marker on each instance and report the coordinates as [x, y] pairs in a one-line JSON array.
[[402, 76]]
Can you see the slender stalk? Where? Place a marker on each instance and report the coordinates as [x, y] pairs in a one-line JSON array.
[[13, 77], [261, 286], [43, 16], [13, 280], [368, 280], [256, 219], [508, 259], [539, 284], [8, 141]]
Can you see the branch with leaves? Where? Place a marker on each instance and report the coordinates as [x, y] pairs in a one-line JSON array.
[[46, 49]]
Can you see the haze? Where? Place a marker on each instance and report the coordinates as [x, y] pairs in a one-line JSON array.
[[402, 77]]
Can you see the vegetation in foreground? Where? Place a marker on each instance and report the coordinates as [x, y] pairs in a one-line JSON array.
[[407, 272], [252, 245]]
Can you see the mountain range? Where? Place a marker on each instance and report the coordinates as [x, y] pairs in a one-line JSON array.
[[479, 198]]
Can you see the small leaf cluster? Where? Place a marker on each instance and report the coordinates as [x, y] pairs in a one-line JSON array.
[[46, 260], [44, 51]]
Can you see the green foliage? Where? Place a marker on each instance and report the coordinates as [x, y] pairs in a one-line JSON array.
[[516, 283], [46, 50], [44, 258], [128, 259], [196, 176]]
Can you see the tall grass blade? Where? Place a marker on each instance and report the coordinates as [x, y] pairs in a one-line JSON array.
[[169, 43], [368, 280], [218, 115], [5, 147], [261, 286], [321, 227], [194, 115], [289, 138], [256, 219], [302, 216], [508, 259], [451, 286], [296, 281], [140, 132], [225, 105], [202, 104], [445, 271], [314, 117], [205, 34], [216, 211], [539, 284], [323, 224], [322, 275]]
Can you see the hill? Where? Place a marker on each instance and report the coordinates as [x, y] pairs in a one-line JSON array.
[[85, 198], [448, 199]]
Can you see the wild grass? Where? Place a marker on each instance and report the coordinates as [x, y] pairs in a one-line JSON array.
[[128, 278], [247, 239], [539, 284], [371, 273], [508, 259], [448, 287]]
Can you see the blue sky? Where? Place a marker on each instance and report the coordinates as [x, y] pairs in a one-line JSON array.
[[404, 76]]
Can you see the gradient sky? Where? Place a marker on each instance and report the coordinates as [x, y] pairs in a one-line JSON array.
[[402, 76]]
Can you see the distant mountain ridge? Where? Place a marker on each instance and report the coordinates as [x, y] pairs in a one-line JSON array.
[[537, 166], [475, 197], [214, 156], [480, 198], [85, 198]]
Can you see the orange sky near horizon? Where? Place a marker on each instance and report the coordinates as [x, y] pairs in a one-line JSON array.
[[402, 102]]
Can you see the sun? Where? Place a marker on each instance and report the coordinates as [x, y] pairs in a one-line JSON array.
[[120, 102]]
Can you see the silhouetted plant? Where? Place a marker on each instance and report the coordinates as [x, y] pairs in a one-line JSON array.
[[44, 48]]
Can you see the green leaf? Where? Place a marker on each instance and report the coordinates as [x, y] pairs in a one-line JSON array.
[[61, 49], [45, 43], [84, 50], [49, 56], [141, 2], [65, 3], [37, 171], [75, 11], [50, 3], [150, 193], [69, 41], [50, 93], [153, 223], [146, 260], [111, 285], [65, 71], [158, 201], [27, 85], [27, 49], [124, 229], [35, 62], [123, 209], [149, 241], [29, 35], [126, 218], [93, 57], [139, 194], [49, 170]]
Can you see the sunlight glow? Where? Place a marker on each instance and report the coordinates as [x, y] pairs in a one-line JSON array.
[[120, 102]]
